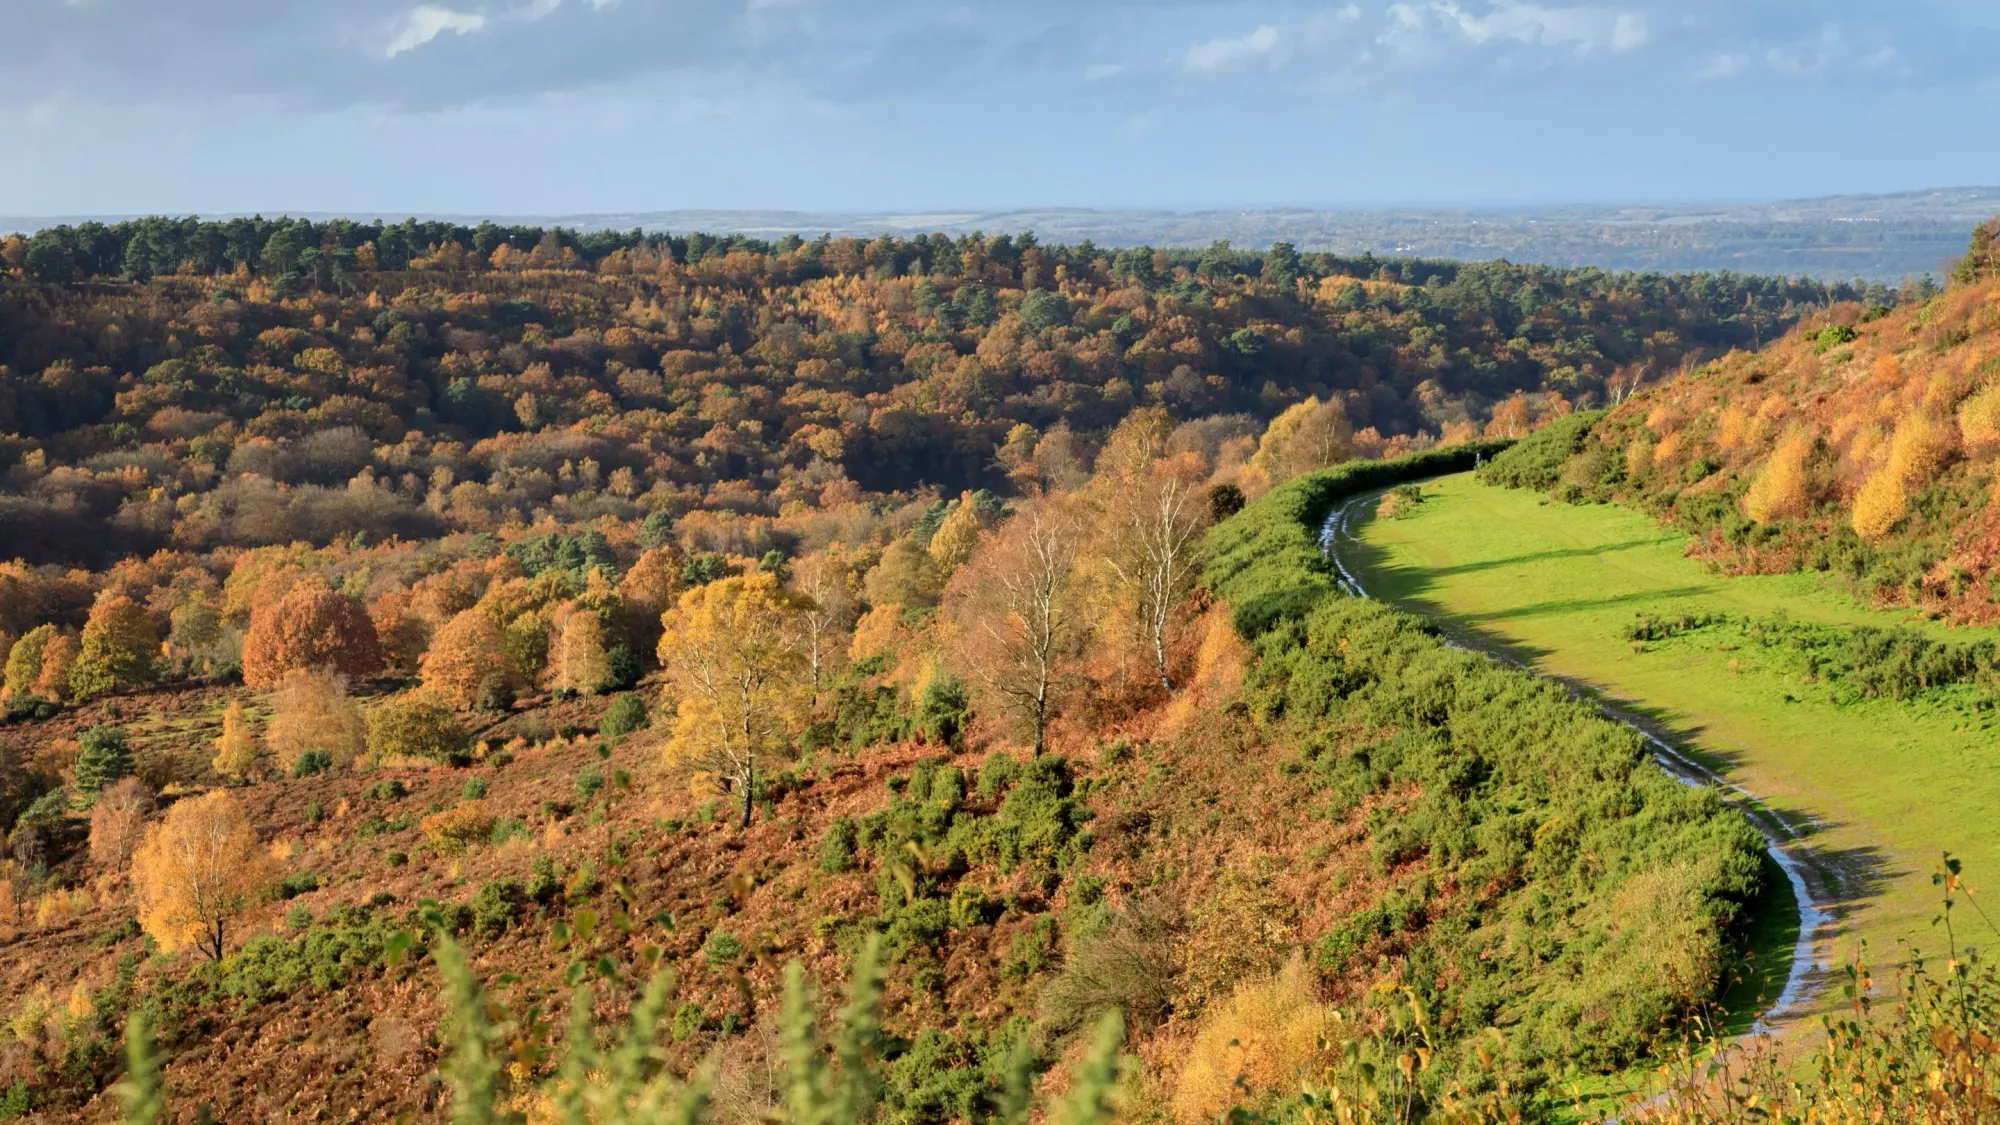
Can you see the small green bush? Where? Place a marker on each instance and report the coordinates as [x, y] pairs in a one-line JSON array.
[[496, 905], [588, 784], [312, 763], [721, 949], [836, 850], [305, 882], [475, 789], [627, 714], [387, 790]]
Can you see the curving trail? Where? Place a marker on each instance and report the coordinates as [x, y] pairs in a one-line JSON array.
[[1812, 882]]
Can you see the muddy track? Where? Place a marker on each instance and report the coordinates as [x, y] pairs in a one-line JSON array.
[[1815, 883]]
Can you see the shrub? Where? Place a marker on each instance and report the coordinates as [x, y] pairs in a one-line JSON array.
[[475, 789], [627, 714], [496, 906], [388, 789], [1128, 966], [459, 828], [1258, 1042], [415, 726], [943, 710], [721, 949], [312, 763], [588, 784], [1033, 949], [1536, 462], [293, 886], [836, 850]]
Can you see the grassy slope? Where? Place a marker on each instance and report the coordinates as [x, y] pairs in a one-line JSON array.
[[1890, 785]]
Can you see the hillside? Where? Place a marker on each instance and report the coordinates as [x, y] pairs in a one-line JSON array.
[[1407, 828], [1865, 444]]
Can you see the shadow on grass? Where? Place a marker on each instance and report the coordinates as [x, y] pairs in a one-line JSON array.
[[1538, 556]]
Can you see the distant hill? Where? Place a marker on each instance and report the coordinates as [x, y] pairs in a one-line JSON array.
[[1873, 237]]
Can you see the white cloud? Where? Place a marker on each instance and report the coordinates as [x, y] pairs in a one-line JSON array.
[[1725, 65], [426, 23], [1099, 72], [1583, 28], [1220, 54]]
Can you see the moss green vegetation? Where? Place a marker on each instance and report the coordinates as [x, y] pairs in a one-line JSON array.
[[1552, 884], [1874, 731]]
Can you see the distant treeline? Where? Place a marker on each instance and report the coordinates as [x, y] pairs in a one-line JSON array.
[[328, 254]]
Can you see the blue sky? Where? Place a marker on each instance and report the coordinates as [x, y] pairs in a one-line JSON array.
[[564, 106]]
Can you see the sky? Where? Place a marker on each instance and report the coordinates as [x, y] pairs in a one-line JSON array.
[[551, 107]]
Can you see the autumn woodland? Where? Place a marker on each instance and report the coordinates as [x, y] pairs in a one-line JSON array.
[[431, 650]]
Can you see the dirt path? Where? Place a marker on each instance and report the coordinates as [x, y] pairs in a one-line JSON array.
[[1815, 882]]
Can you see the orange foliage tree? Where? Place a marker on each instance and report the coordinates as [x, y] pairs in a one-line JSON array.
[[312, 626], [1019, 629], [199, 869], [116, 821], [467, 662]]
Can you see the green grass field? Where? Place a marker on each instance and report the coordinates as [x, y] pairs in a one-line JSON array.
[[1886, 787]]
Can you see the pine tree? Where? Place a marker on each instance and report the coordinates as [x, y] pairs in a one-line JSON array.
[[106, 758]]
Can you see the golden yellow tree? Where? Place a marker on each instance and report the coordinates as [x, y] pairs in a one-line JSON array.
[[310, 712], [236, 751], [826, 581], [199, 869], [1308, 436], [577, 661], [738, 677], [1921, 448], [953, 541]]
